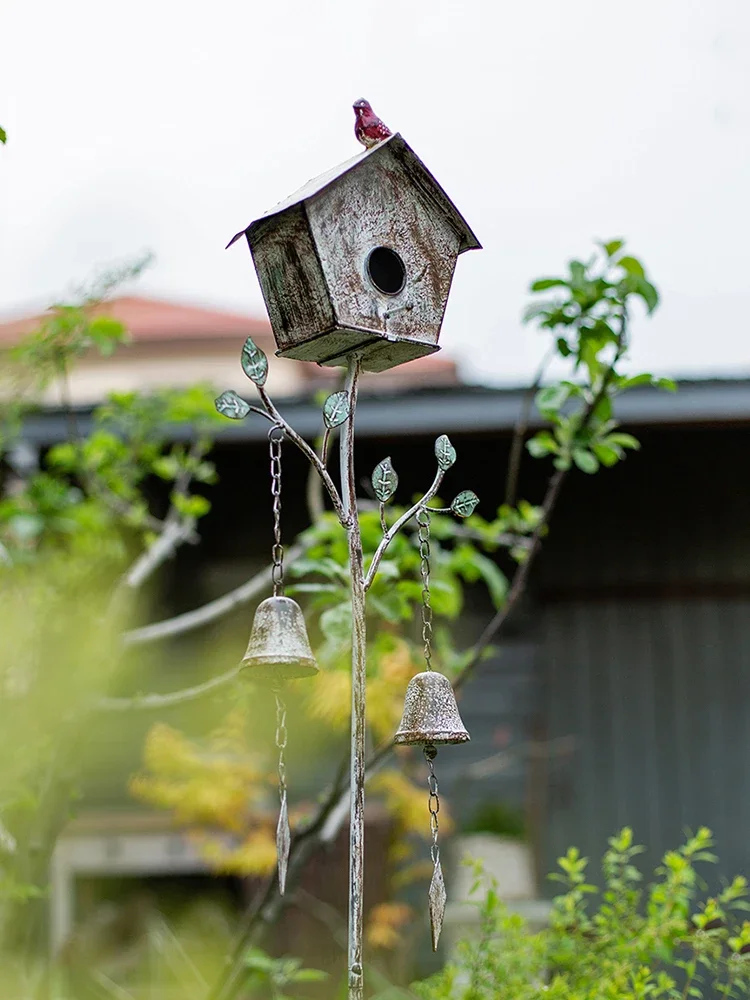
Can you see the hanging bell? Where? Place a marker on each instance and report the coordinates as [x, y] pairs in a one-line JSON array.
[[430, 712], [279, 649]]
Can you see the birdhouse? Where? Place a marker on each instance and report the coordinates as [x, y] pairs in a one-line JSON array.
[[360, 259]]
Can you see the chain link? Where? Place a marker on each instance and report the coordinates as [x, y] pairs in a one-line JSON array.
[[275, 437], [430, 752], [423, 520], [281, 738]]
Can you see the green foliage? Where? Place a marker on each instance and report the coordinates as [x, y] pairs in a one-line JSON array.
[[270, 977], [588, 317], [457, 559], [3, 136], [629, 939]]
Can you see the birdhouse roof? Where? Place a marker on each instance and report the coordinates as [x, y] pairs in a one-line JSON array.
[[414, 168]]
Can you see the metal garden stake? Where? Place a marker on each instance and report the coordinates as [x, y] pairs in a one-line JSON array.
[[355, 270]]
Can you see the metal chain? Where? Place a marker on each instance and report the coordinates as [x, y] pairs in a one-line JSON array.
[[430, 752], [275, 437], [423, 520], [281, 737]]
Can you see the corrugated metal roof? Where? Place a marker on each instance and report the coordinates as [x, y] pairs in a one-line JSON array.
[[469, 410]]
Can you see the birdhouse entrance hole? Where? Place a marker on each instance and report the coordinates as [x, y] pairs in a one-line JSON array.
[[386, 270]]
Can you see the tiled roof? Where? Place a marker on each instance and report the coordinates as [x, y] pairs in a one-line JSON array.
[[154, 320]]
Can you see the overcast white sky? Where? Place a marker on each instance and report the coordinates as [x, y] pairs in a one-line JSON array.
[[165, 125]]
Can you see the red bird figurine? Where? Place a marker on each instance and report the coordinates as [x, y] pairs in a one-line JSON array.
[[368, 128]]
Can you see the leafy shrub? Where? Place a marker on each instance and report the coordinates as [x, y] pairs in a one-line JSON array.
[[628, 939]]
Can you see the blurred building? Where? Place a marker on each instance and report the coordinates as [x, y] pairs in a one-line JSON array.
[[173, 344], [620, 695]]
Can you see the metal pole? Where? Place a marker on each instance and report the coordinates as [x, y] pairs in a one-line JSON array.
[[357, 762]]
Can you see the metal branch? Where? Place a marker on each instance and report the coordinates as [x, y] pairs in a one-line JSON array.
[[358, 750], [308, 452], [398, 525]]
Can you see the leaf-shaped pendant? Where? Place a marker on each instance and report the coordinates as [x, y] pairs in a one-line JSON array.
[[336, 409], [437, 904], [282, 843], [254, 362], [445, 453], [384, 480], [465, 503], [229, 404]]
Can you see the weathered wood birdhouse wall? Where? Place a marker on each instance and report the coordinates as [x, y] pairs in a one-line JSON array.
[[360, 259]]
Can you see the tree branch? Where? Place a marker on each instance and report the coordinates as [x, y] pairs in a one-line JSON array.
[[398, 525], [160, 701], [519, 431], [214, 609], [174, 533]]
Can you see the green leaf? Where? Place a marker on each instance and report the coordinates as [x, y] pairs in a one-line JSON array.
[[563, 347], [465, 503], [623, 440], [585, 461], [336, 623], [551, 398], [191, 506], [336, 409], [106, 332], [445, 453], [254, 362], [3, 136], [384, 480], [577, 274], [648, 293], [542, 444], [607, 456], [544, 283], [632, 266], [630, 383], [495, 581], [668, 384], [612, 247], [308, 976], [229, 404]]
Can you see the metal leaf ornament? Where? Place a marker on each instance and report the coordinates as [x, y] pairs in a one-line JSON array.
[[465, 504], [283, 841], [445, 453], [336, 409], [254, 362], [229, 404], [384, 480], [437, 897]]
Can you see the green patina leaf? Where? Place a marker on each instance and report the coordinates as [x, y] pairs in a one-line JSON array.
[[465, 503], [445, 453], [254, 362], [336, 409], [384, 480], [229, 404]]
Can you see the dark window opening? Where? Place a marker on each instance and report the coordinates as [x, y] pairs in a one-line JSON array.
[[386, 270]]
